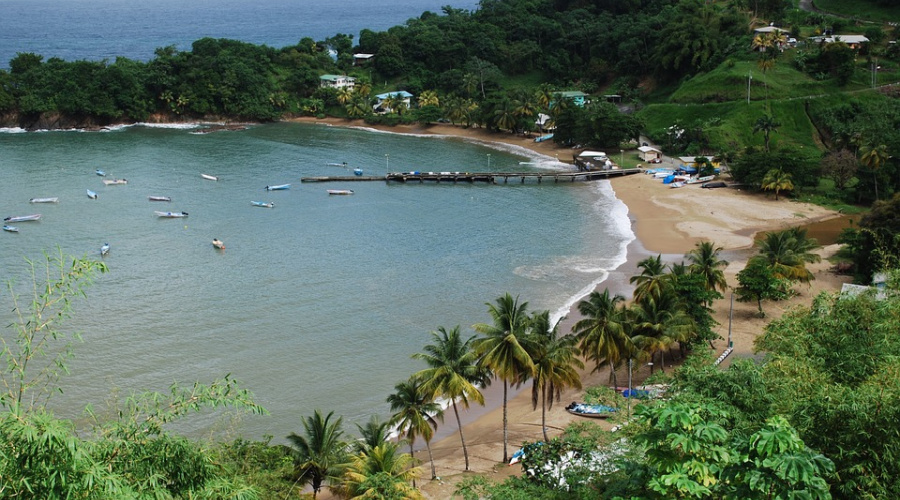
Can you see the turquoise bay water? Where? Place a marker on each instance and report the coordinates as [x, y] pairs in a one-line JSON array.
[[316, 303]]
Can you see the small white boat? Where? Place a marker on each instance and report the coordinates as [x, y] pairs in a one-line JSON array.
[[280, 187], [171, 215], [209, 177], [676, 184], [23, 218], [44, 200], [265, 204], [104, 249], [114, 182], [339, 191], [11, 229], [100, 173], [160, 198], [92, 195], [216, 242]]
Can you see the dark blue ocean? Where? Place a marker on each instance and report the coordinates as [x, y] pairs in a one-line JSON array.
[[317, 303], [104, 29]]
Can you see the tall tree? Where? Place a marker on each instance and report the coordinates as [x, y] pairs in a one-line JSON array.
[[555, 362], [652, 279], [453, 373], [415, 414], [503, 349], [601, 331], [787, 252], [320, 452], [766, 124], [705, 261], [874, 157], [372, 434], [777, 180], [381, 473]]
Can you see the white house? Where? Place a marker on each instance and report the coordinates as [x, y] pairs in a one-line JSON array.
[[854, 41], [337, 81], [380, 99], [648, 153]]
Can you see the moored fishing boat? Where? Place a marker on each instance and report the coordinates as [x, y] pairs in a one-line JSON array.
[[114, 182], [23, 218], [44, 200], [160, 198], [209, 177], [266, 204], [279, 187], [171, 215], [590, 411], [100, 173], [11, 229], [339, 191], [92, 195], [357, 171], [216, 242], [104, 249]]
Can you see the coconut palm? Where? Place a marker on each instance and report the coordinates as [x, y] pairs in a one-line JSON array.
[[777, 180], [766, 124], [706, 262], [381, 472], [601, 331], [416, 414], [503, 349], [344, 95], [658, 323], [372, 434], [320, 453], [358, 107], [428, 98], [787, 252], [555, 362], [874, 157], [505, 117], [652, 279], [453, 373]]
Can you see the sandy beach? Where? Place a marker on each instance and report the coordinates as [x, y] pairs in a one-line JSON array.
[[666, 221]]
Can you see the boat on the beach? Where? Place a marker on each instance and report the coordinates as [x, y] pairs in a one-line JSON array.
[[590, 411], [676, 184], [114, 182], [265, 204], [209, 177], [100, 173], [92, 195], [11, 229], [216, 242], [23, 218], [171, 215], [339, 191], [160, 198], [279, 187], [104, 249], [517, 457], [44, 200]]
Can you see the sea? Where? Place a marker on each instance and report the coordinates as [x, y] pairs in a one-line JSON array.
[[316, 303]]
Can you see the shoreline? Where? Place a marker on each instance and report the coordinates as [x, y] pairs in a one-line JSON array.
[[664, 221]]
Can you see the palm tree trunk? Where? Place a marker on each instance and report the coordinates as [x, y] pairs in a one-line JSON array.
[[431, 458], [612, 375], [544, 413], [461, 438], [505, 426], [412, 464]]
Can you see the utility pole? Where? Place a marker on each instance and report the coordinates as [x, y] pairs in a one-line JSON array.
[[749, 77]]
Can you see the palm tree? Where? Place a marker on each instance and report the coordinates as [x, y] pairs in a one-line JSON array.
[[658, 323], [787, 253], [428, 98], [874, 157], [706, 262], [503, 349], [767, 44], [766, 124], [415, 413], [555, 362], [372, 434], [652, 279], [453, 373], [344, 95], [601, 332], [381, 472], [320, 453], [777, 180], [358, 107], [505, 116]]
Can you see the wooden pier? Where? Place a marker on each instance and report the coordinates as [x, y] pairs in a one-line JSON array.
[[486, 177]]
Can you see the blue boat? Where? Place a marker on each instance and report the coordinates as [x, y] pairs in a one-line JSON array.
[[265, 204], [357, 171], [92, 195], [104, 249], [279, 187], [11, 229], [590, 411]]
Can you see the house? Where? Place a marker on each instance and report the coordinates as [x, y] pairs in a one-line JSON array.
[[691, 161], [649, 154], [360, 59], [337, 81], [853, 41], [381, 105], [775, 30], [577, 97]]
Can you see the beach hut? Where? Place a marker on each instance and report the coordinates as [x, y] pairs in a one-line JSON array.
[[649, 154]]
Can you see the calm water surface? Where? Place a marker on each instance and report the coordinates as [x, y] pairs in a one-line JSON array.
[[316, 303]]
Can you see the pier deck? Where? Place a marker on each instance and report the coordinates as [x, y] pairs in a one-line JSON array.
[[486, 177]]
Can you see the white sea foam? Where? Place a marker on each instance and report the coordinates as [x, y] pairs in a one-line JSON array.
[[12, 130]]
